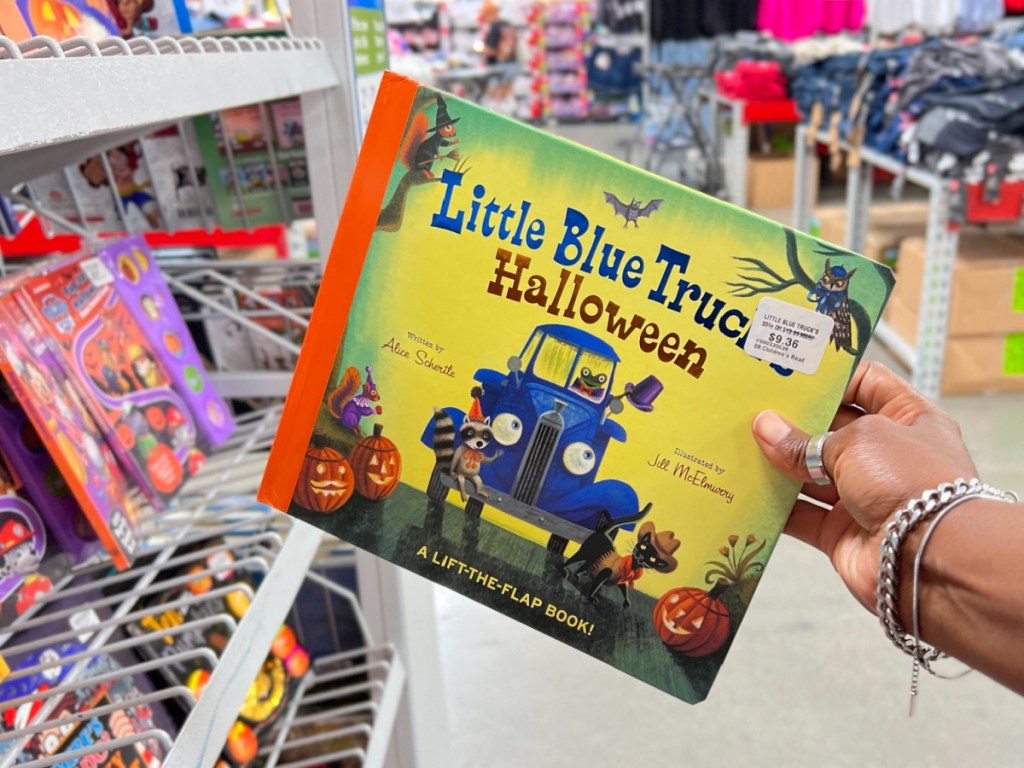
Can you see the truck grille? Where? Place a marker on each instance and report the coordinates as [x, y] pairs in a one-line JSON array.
[[534, 469]]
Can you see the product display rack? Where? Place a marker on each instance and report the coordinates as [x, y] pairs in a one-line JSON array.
[[153, 83], [942, 240]]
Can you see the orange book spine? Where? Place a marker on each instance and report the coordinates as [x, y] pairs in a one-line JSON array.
[[341, 276]]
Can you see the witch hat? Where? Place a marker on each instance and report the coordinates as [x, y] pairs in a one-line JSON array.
[[443, 119], [368, 385], [642, 395]]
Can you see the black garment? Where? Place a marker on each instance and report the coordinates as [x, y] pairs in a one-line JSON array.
[[676, 19], [690, 19], [493, 39]]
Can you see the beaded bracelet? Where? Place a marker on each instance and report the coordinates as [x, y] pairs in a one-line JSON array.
[[935, 503]]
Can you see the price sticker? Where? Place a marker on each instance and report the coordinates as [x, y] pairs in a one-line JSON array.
[[788, 335], [97, 272]]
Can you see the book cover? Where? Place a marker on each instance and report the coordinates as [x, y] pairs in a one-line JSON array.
[[125, 384], [531, 374], [72, 438], [145, 295], [35, 474], [179, 179]]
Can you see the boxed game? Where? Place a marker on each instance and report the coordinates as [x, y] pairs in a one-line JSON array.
[[534, 382], [143, 292], [126, 386], [54, 405]]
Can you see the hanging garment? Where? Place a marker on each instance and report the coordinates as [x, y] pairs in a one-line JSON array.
[[979, 15], [725, 17], [675, 20], [794, 19], [936, 17], [889, 17]]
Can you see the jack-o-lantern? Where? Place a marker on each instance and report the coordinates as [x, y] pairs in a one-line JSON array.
[[377, 465], [692, 621], [325, 481]]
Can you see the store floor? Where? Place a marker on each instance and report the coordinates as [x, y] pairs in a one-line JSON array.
[[810, 680]]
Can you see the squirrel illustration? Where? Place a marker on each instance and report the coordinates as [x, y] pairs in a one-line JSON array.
[[348, 407], [421, 148]]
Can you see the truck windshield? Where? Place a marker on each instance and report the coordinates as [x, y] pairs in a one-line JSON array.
[[566, 365]]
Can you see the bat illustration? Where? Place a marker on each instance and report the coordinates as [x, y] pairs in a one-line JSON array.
[[632, 210]]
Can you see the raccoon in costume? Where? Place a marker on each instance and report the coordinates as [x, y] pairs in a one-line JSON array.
[[464, 461]]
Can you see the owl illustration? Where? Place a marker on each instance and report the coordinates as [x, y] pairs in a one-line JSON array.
[[830, 296]]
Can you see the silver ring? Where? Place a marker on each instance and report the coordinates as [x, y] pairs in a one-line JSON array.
[[814, 459]]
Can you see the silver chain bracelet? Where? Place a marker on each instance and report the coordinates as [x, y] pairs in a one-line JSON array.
[[934, 503]]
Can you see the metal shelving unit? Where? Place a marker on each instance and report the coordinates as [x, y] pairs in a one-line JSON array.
[[211, 520], [942, 240], [79, 98]]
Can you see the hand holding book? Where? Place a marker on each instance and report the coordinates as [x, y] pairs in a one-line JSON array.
[[889, 444]]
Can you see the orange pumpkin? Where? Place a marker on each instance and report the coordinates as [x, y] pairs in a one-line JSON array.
[[377, 465], [692, 621], [325, 481]]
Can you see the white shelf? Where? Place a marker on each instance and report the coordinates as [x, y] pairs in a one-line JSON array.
[[77, 98]]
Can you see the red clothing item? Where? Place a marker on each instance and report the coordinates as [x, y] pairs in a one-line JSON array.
[[625, 573]]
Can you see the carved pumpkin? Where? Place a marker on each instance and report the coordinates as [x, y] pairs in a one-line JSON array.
[[325, 481], [692, 621], [377, 465]]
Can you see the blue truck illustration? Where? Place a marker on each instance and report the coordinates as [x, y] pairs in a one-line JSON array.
[[550, 417]]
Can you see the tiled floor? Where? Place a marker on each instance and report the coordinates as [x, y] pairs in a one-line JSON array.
[[810, 680]]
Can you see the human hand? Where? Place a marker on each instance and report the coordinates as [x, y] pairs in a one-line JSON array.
[[889, 445]]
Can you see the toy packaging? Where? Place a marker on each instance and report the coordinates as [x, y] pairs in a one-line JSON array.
[[55, 407], [128, 389], [144, 294], [59, 19], [35, 474], [30, 563], [531, 373], [118, 692], [268, 695]]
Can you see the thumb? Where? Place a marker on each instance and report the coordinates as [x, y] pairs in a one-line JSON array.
[[784, 444]]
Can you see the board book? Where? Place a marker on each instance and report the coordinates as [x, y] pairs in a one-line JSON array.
[[56, 408], [99, 342], [531, 374]]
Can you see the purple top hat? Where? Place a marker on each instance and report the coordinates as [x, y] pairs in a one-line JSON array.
[[642, 395]]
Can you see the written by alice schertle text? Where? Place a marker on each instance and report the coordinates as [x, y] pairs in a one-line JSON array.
[[425, 355], [485, 580]]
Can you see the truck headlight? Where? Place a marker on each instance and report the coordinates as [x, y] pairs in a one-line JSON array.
[[507, 428], [579, 458]]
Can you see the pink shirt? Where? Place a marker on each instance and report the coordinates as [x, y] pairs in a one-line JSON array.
[[793, 19]]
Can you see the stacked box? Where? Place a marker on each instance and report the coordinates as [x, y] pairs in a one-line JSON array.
[[985, 336]]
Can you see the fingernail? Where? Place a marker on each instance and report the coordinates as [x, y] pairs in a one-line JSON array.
[[770, 427]]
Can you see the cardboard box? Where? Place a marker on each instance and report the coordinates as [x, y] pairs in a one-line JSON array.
[[770, 180], [987, 293], [888, 226], [985, 338]]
